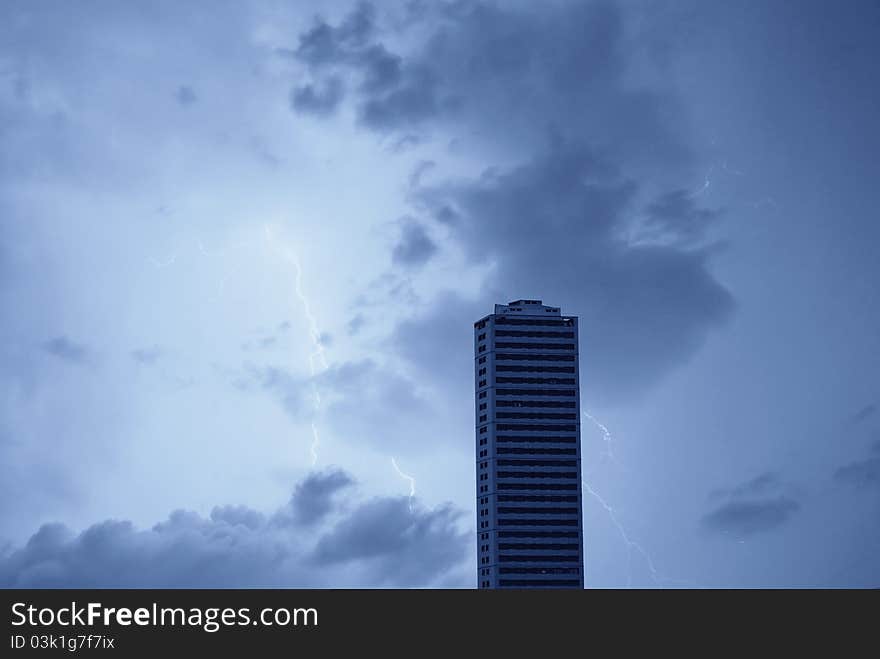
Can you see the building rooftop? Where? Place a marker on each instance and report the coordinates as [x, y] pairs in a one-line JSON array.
[[527, 308]]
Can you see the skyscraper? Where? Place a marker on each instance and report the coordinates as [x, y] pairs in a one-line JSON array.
[[528, 448]]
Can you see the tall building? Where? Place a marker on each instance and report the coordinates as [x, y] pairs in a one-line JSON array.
[[528, 448]]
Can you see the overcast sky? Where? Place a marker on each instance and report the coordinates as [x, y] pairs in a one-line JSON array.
[[242, 246]]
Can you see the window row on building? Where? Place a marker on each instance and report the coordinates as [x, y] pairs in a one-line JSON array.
[[509, 380], [535, 415], [538, 510], [507, 345], [535, 392], [536, 439], [535, 546], [530, 427], [522, 368], [536, 451], [536, 522], [535, 322], [536, 463], [533, 334], [538, 487], [518, 558], [535, 474], [530, 357]]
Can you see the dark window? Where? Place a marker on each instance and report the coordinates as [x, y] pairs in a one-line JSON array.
[[537, 487], [550, 546], [542, 322], [503, 380], [538, 463], [482, 418], [537, 440], [536, 510], [532, 426], [482, 349], [482, 406], [546, 521], [539, 570], [535, 334], [520, 368], [483, 429], [534, 346], [538, 534], [528, 357], [569, 404], [536, 392], [535, 415], [537, 451], [482, 383], [481, 360], [553, 498], [482, 371], [535, 474], [481, 336], [482, 394]]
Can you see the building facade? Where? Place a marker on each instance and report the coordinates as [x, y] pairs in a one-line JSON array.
[[528, 448]]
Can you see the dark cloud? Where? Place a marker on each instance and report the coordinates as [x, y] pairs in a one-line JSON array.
[[318, 99], [323, 45], [761, 504], [552, 228], [864, 414], [676, 217], [549, 86], [744, 518], [766, 483], [355, 324], [504, 70], [146, 356], [68, 350], [313, 498], [357, 397], [395, 544], [381, 542], [862, 473], [415, 247], [185, 95]]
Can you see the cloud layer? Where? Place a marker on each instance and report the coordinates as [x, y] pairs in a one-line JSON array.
[[319, 539]]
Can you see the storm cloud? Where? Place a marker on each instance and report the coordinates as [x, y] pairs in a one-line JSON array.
[[564, 217], [381, 542], [67, 350], [759, 505]]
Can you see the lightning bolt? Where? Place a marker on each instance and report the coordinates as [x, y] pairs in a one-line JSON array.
[[407, 477], [317, 355], [707, 181], [606, 436], [631, 545]]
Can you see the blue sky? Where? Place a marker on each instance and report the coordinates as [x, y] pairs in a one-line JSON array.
[[242, 245]]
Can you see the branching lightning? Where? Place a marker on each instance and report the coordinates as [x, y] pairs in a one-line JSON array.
[[317, 358], [606, 436], [631, 544], [407, 477]]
